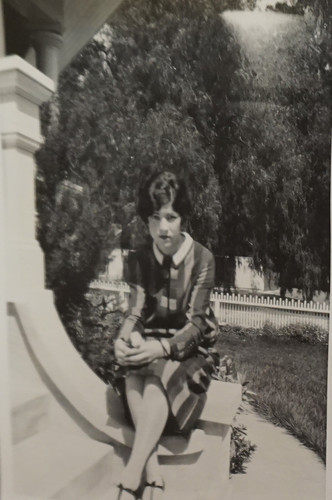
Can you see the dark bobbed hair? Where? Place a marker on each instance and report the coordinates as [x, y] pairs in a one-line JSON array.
[[162, 188]]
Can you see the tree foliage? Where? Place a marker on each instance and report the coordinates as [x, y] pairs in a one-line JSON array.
[[169, 84], [132, 102], [274, 157]]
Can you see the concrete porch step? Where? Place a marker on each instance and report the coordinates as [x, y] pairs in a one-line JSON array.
[[52, 465]]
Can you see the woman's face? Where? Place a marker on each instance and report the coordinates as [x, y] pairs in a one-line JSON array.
[[165, 229]]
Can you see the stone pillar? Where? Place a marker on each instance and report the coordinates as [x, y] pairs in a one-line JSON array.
[[47, 45], [6, 461], [22, 90]]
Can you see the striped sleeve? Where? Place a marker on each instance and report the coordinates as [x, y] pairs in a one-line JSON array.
[[200, 326], [134, 318]]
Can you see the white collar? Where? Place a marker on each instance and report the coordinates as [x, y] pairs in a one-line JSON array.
[[178, 257]]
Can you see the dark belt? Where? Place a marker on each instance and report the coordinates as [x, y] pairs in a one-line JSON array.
[[159, 332]]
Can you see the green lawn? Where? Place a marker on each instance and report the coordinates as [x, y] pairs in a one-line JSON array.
[[289, 378]]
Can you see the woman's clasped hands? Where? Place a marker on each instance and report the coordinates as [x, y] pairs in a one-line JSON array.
[[137, 351]]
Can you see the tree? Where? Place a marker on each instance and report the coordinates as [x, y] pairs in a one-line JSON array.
[[132, 102], [273, 159], [167, 85]]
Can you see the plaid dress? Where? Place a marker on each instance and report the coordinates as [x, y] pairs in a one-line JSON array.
[[170, 298]]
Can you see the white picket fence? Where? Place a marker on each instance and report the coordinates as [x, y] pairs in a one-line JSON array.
[[247, 310], [256, 311], [111, 285]]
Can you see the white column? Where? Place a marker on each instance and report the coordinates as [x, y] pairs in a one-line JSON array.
[[47, 45], [22, 89], [5, 427], [6, 472]]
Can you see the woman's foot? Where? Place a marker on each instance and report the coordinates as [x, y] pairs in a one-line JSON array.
[[129, 485], [154, 483], [130, 477], [153, 490], [126, 493]]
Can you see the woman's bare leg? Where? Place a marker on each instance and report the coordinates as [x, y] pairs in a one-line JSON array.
[[149, 408], [152, 469], [135, 387]]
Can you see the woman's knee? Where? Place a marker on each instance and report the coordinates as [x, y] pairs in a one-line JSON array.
[[154, 383], [134, 382], [153, 380]]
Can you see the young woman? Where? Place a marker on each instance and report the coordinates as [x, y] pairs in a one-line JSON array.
[[166, 338]]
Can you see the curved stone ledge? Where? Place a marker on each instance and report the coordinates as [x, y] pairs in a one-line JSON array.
[[93, 405]]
